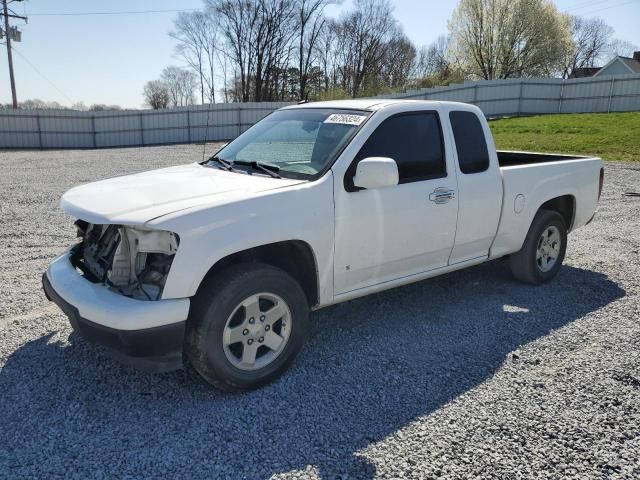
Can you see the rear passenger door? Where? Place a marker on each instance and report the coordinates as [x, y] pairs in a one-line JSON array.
[[388, 233], [479, 184]]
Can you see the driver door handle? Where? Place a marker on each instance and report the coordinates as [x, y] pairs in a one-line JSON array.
[[442, 195]]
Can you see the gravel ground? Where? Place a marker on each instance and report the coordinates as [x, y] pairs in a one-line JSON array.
[[469, 375]]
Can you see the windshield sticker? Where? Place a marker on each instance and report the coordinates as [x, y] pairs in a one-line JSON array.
[[345, 119]]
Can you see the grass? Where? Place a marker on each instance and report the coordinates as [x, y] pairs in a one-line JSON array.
[[611, 136]]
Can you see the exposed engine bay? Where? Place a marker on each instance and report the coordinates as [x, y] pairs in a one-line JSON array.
[[130, 260]]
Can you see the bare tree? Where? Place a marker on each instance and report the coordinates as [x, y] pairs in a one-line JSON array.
[[37, 104], [363, 37], [422, 66], [621, 48], [196, 34], [311, 21], [288, 49], [509, 38], [80, 106], [397, 62], [326, 53], [237, 22], [156, 94], [223, 62], [273, 45], [262, 37], [590, 41], [259, 37], [434, 60], [180, 83]]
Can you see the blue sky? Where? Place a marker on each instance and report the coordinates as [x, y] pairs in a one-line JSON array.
[[108, 58]]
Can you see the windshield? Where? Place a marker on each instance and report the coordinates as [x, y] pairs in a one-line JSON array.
[[301, 142]]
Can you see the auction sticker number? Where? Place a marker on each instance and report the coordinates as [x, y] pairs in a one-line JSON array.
[[345, 119]]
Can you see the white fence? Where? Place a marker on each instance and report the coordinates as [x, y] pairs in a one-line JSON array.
[[70, 129], [527, 96]]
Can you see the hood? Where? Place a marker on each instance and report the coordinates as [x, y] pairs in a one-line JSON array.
[[137, 199]]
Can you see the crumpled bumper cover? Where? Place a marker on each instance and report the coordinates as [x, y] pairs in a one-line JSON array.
[[109, 319]]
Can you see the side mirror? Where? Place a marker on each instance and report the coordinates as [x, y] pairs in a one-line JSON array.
[[376, 172]]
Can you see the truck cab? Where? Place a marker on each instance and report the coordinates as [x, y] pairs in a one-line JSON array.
[[450, 196]]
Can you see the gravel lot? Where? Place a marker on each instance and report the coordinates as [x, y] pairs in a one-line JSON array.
[[469, 375]]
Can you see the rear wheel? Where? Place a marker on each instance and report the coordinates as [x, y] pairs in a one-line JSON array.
[[247, 326], [542, 253]]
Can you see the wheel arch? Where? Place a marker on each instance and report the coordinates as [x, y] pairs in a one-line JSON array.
[[296, 257], [565, 205], [513, 228]]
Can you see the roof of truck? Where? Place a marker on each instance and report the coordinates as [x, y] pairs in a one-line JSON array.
[[365, 103]]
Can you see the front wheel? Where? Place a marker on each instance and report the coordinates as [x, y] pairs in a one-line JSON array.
[[542, 253], [247, 326]]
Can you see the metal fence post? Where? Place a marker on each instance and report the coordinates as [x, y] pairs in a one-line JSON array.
[[189, 124], [520, 97], [475, 93], [239, 120], [561, 96], [613, 82], [39, 130], [141, 130], [93, 129]]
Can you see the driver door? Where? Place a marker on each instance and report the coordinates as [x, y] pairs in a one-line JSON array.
[[388, 233]]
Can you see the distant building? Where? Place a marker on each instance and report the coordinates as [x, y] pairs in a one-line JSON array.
[[584, 72], [616, 66], [621, 66]]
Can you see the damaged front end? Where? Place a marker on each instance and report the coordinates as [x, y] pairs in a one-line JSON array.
[[132, 261]]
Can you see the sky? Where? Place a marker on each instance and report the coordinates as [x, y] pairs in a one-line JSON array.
[[108, 58]]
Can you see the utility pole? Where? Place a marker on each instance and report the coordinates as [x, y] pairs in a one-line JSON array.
[[8, 34]]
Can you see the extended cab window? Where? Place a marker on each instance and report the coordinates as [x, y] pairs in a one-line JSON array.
[[414, 141], [473, 155]]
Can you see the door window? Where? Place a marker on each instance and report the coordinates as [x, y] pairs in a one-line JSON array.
[[413, 140]]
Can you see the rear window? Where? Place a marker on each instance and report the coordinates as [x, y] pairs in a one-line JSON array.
[[473, 155]]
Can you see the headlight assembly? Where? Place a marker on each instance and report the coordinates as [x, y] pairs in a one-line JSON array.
[[131, 260]]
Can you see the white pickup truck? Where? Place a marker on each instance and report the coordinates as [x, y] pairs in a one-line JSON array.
[[218, 263]]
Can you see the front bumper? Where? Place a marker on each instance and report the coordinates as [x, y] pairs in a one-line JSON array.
[[148, 335]]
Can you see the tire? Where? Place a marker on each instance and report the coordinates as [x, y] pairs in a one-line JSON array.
[[532, 264], [219, 333]]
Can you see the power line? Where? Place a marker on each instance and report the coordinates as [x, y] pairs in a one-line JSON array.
[[37, 70], [592, 3], [130, 12], [597, 4], [607, 8]]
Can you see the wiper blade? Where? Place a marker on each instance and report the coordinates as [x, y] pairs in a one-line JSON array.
[[222, 162], [267, 168]]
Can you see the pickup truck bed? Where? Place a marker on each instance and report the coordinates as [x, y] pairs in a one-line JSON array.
[[510, 158], [529, 178]]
